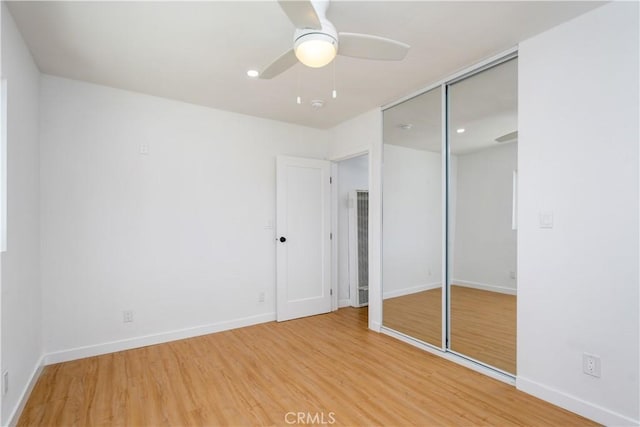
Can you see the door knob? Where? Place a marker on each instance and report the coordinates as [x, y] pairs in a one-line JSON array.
[[283, 239]]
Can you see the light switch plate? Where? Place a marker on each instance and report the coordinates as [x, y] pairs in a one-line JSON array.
[[546, 219]]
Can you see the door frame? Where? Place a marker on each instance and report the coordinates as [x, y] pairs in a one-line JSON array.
[[335, 203]]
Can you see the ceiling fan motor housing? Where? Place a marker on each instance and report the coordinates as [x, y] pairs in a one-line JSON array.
[[328, 30], [302, 35]]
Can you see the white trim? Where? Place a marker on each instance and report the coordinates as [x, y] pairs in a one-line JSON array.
[[344, 303], [160, 338], [335, 233], [450, 356], [4, 124], [484, 287], [375, 210], [375, 326], [411, 290], [33, 379], [352, 245], [353, 249], [334, 215], [476, 67], [350, 155], [445, 273], [514, 201], [574, 404], [376, 160]]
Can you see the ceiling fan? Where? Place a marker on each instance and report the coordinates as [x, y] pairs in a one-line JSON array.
[[316, 41]]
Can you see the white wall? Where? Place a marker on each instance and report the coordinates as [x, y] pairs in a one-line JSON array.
[[485, 243], [578, 158], [21, 297], [356, 136], [180, 235], [412, 221], [353, 174]]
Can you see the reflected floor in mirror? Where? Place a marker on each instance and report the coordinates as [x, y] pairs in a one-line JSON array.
[[483, 323], [417, 315]]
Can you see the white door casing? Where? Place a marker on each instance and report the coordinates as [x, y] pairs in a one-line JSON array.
[[303, 224]]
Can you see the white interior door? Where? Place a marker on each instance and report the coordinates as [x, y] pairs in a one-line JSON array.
[[303, 237]]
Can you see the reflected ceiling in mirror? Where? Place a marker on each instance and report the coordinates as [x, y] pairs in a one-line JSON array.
[[416, 123], [486, 107], [488, 115]]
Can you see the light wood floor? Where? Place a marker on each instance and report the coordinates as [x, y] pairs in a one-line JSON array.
[[483, 324], [329, 364]]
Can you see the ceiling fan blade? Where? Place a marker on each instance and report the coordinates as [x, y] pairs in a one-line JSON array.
[[280, 65], [509, 137], [301, 13], [371, 47]]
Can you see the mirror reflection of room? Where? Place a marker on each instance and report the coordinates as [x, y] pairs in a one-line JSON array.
[[412, 218], [482, 212]]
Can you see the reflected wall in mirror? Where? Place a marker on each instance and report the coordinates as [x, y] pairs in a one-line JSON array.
[[482, 195], [412, 218]]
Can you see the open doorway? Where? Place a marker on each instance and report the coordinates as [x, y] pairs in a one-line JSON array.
[[352, 232]]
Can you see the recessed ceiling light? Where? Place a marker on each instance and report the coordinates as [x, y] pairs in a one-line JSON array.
[[405, 126], [460, 130], [253, 73]]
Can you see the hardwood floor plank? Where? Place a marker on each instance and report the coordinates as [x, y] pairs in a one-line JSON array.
[[329, 365]]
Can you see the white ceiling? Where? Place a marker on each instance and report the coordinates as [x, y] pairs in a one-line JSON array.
[[199, 52]]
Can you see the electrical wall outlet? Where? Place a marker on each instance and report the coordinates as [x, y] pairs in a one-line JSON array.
[[512, 274], [5, 382], [591, 364], [261, 297], [127, 316]]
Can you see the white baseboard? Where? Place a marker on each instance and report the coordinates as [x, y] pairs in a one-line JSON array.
[[484, 287], [131, 343], [22, 401], [574, 404], [344, 303], [411, 290]]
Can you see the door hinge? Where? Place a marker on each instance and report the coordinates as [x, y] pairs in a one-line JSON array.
[[330, 180], [330, 236], [330, 291]]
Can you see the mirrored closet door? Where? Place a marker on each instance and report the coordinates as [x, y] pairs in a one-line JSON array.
[[483, 152], [475, 285], [412, 217]]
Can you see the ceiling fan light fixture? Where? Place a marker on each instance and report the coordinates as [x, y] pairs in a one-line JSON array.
[[316, 50]]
